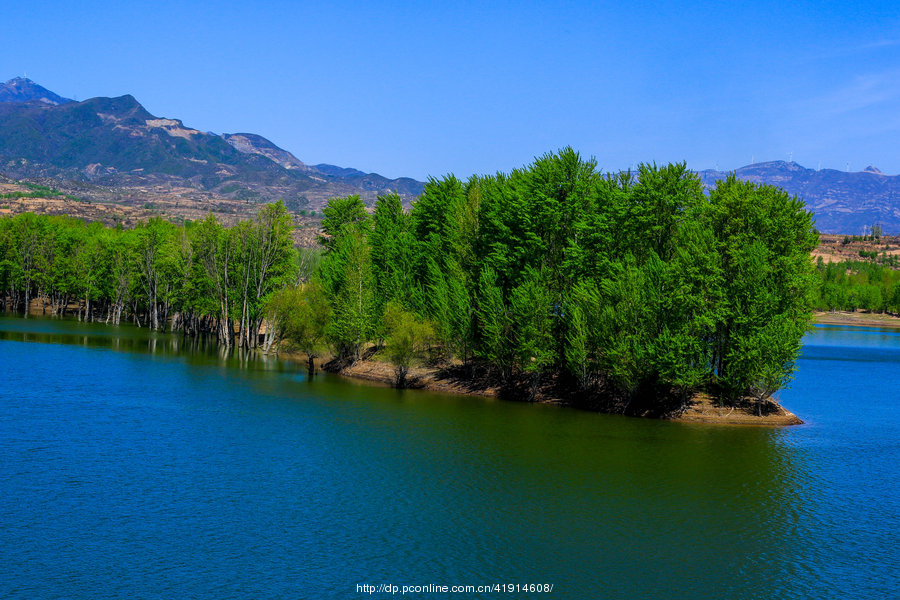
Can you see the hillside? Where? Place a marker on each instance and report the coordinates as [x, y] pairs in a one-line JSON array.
[[104, 144], [112, 150]]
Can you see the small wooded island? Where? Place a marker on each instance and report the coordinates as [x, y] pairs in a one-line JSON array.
[[634, 292]]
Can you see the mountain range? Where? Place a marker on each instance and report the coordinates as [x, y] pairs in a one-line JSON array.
[[116, 142], [112, 150], [843, 202]]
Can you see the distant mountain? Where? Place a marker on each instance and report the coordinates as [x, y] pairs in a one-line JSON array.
[[372, 181], [113, 149], [843, 202], [250, 143], [116, 142], [21, 89]]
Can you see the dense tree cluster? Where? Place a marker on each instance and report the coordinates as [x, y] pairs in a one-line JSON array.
[[635, 289], [200, 278], [631, 287], [852, 285]]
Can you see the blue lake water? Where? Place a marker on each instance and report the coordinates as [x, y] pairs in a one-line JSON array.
[[139, 466]]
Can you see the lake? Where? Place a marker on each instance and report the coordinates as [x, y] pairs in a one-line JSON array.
[[143, 466]]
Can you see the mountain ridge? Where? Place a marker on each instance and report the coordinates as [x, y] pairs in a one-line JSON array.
[[843, 202], [112, 148], [22, 89], [117, 142]]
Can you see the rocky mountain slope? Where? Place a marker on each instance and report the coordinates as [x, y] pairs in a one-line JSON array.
[[843, 202], [21, 89], [116, 143]]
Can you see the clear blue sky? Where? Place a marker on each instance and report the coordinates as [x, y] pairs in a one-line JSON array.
[[411, 89]]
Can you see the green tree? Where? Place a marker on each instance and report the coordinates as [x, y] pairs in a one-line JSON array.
[[765, 238], [338, 214], [533, 312], [407, 336], [349, 285], [391, 244], [303, 314]]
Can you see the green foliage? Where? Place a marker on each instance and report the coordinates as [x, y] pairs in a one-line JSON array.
[[392, 248], [853, 285], [638, 288], [407, 335], [635, 285], [341, 214], [347, 277], [495, 324], [303, 315], [196, 276], [764, 238]]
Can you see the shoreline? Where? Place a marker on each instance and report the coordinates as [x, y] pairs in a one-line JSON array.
[[703, 410], [856, 319]]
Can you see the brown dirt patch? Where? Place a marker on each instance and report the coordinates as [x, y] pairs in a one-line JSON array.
[[832, 248], [703, 409]]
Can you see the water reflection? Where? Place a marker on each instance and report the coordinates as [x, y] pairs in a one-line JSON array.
[[129, 338]]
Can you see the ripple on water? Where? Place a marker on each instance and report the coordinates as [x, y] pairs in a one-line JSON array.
[[133, 469]]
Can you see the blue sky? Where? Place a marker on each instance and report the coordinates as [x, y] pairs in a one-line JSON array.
[[411, 89]]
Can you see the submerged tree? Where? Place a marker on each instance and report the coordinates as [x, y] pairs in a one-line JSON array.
[[303, 314]]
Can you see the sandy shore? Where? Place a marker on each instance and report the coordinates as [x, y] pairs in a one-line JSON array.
[[704, 410], [857, 319]]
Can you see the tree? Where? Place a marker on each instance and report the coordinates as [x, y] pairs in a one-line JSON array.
[[154, 253], [764, 237], [338, 214], [495, 323], [303, 314], [215, 249], [533, 312], [391, 244], [348, 282], [266, 264], [582, 349], [407, 336]]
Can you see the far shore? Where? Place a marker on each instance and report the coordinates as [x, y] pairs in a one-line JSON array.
[[857, 319]]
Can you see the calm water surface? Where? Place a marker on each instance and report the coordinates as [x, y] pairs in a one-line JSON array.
[[136, 466]]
